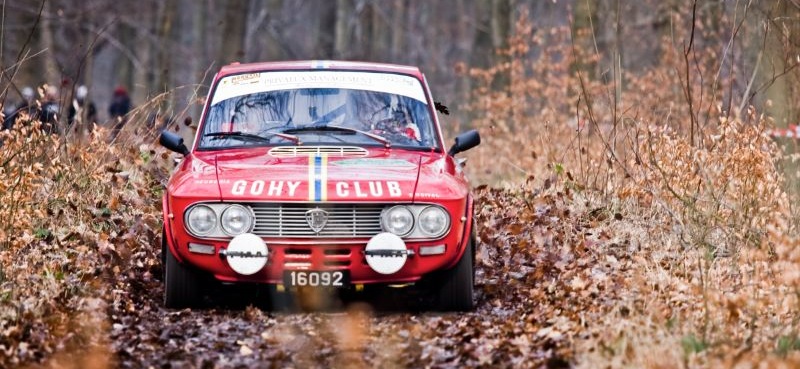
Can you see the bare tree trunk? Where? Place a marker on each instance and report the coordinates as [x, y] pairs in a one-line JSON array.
[[381, 39], [272, 46], [183, 61], [124, 66], [202, 53], [326, 30], [234, 29], [584, 14], [776, 50], [398, 28], [140, 81], [83, 124], [463, 49], [51, 73], [359, 19], [165, 27], [501, 31], [342, 39], [482, 42]]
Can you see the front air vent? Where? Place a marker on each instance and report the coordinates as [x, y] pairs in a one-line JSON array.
[[335, 151], [343, 220]]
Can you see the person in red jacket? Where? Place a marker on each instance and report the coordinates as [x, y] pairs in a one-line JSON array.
[[120, 106]]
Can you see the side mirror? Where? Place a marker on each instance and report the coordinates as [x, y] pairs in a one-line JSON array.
[[173, 142], [465, 141]]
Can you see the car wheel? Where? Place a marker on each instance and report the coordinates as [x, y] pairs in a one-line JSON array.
[[456, 286], [181, 284]]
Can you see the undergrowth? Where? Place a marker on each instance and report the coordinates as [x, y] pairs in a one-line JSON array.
[[72, 216], [696, 185]]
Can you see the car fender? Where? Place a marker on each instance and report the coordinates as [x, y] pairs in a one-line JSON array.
[[168, 228], [462, 246]]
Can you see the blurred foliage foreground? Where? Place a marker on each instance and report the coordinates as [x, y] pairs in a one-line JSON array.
[[77, 219], [633, 228]]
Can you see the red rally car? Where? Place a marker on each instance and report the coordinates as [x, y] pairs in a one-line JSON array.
[[319, 174]]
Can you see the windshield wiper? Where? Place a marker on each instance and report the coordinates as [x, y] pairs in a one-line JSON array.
[[254, 137], [326, 128]]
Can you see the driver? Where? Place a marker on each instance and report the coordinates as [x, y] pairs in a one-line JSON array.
[[380, 113]]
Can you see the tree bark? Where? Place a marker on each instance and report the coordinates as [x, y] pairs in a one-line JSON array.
[[398, 30], [166, 24], [482, 41], [381, 39], [234, 28], [52, 75], [342, 39], [584, 14], [501, 31]]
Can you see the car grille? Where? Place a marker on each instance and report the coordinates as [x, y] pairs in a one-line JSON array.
[[344, 220], [338, 151]]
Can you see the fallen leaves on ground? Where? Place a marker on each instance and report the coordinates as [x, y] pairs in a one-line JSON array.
[[537, 289]]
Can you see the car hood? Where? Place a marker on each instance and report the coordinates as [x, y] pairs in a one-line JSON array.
[[380, 175]]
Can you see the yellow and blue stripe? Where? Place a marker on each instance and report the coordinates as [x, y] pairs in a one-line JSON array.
[[320, 64], [317, 177]]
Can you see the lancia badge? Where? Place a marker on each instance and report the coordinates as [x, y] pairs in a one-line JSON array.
[[316, 219]]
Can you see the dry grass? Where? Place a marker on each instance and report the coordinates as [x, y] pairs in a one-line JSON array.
[[71, 217]]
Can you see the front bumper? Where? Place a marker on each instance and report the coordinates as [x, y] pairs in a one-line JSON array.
[[319, 255]]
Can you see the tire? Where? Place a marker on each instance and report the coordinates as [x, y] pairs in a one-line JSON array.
[[456, 286], [181, 284]]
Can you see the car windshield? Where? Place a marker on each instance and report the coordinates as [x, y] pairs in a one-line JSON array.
[[318, 107]]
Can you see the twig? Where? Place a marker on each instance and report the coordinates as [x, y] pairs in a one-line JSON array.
[[22, 50], [2, 30], [687, 81], [728, 49]]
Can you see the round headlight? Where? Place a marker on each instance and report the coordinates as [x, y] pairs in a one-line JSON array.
[[201, 220], [236, 219], [398, 220], [433, 221]]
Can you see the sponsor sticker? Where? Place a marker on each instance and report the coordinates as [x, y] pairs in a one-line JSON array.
[[244, 79]]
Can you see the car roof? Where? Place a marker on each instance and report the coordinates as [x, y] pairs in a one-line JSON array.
[[238, 68]]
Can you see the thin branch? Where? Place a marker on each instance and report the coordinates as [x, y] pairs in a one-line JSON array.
[[688, 86], [22, 51], [2, 31], [745, 98]]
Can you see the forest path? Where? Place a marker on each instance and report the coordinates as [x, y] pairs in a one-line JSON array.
[[539, 291]]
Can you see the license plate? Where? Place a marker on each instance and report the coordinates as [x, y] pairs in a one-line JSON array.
[[333, 278]]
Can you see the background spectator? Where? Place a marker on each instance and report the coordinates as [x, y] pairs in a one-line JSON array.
[[81, 109], [27, 105], [50, 109], [120, 105]]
